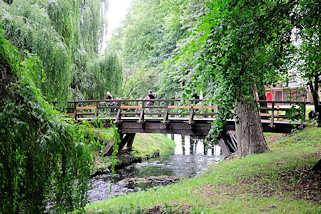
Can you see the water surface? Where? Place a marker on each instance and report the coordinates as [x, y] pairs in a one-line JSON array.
[[189, 159]]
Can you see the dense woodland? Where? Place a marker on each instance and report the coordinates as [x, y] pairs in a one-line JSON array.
[[50, 52]]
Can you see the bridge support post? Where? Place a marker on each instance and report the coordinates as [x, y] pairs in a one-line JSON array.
[[205, 143], [131, 141], [192, 144], [75, 111], [126, 139], [228, 142], [183, 143]]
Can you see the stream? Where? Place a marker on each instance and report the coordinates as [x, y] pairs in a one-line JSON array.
[[189, 159]]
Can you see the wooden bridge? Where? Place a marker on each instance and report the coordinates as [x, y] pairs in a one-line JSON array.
[[185, 117]]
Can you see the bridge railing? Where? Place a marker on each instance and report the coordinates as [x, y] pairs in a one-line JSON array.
[[164, 109], [283, 111]]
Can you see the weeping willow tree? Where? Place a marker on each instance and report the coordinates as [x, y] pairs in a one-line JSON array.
[[44, 163], [102, 76], [66, 35]]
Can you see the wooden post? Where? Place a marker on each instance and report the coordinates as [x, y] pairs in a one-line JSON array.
[[141, 117], [75, 111], [118, 116], [205, 146], [303, 115], [97, 110], [143, 105], [159, 109], [183, 139], [183, 143], [136, 111], [277, 111], [130, 141], [192, 142], [191, 116], [272, 116], [165, 118]]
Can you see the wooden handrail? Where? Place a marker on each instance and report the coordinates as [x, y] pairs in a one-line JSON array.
[[191, 107], [86, 108], [162, 108], [130, 107], [170, 107]]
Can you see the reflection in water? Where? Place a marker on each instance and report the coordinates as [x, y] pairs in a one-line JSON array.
[[185, 145], [190, 159]]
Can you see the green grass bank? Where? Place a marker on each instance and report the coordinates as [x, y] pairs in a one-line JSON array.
[[147, 144], [276, 182]]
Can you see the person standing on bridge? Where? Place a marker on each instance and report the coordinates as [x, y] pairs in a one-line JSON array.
[[149, 97], [195, 97], [109, 96]]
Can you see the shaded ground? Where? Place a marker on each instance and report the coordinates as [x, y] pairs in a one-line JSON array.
[[302, 183], [308, 185], [175, 209]]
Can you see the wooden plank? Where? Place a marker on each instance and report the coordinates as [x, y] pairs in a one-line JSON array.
[[169, 107], [130, 107], [86, 113], [192, 107], [141, 117], [265, 115], [118, 116], [86, 108]]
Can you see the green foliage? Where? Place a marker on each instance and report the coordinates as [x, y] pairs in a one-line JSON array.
[[116, 141], [236, 45], [45, 163], [103, 74], [24, 26], [295, 113], [66, 36], [307, 37], [152, 33]]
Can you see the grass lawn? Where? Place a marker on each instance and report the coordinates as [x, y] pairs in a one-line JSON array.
[[276, 182], [147, 144]]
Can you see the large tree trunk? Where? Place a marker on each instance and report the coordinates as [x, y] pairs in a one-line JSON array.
[[314, 88], [317, 166], [249, 132]]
